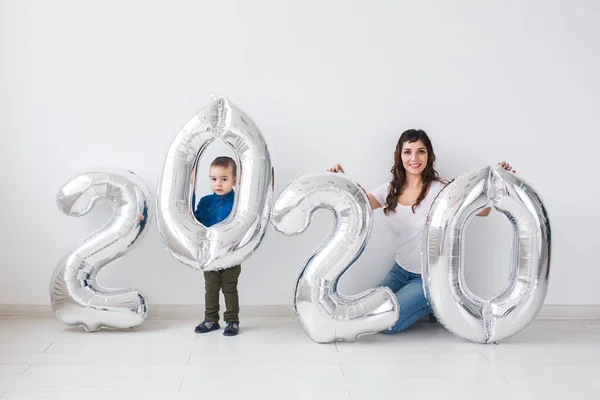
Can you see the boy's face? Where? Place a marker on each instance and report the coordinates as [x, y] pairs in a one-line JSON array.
[[221, 180]]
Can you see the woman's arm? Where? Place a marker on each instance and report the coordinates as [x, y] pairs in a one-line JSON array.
[[485, 212], [374, 203]]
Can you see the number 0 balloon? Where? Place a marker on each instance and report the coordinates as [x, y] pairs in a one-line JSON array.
[[233, 240], [460, 311]]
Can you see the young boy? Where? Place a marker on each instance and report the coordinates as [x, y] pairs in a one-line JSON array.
[[211, 210]]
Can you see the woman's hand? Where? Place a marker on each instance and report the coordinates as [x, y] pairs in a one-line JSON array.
[[336, 168], [506, 166], [486, 211]]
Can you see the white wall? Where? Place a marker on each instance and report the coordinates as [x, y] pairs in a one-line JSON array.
[[110, 83]]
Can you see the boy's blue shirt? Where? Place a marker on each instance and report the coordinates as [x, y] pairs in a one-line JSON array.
[[213, 208]]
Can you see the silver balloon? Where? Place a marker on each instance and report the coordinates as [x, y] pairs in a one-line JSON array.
[[324, 313], [458, 309], [233, 240], [76, 296]]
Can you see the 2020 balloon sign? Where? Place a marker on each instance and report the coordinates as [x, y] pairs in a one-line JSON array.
[[325, 314]]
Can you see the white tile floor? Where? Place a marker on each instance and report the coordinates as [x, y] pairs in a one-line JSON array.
[[273, 358]]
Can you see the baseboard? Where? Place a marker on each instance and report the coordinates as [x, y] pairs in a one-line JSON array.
[[188, 311], [155, 311], [185, 311], [569, 312]]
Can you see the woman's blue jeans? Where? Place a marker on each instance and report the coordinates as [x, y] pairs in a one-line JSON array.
[[408, 288]]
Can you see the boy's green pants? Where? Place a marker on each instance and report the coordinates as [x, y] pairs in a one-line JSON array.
[[226, 280]]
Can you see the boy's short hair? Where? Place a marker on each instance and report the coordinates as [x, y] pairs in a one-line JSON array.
[[225, 161]]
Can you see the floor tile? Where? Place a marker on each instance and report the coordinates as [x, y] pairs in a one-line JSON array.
[[90, 385]]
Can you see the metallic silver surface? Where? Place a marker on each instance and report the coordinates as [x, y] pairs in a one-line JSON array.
[[232, 241], [325, 314], [459, 310], [76, 296]]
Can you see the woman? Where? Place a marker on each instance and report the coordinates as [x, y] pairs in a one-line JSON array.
[[406, 201]]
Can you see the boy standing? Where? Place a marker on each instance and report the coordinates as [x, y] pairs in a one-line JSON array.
[[211, 210]]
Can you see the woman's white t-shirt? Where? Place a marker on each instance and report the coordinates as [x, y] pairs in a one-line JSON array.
[[409, 227]]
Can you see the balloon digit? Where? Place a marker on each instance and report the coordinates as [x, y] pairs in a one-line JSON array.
[[459, 310], [76, 297], [233, 240], [324, 313]]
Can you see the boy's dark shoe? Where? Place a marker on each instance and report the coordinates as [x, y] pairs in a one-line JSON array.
[[207, 326], [232, 329]]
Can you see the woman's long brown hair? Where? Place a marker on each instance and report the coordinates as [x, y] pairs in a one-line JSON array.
[[399, 173]]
